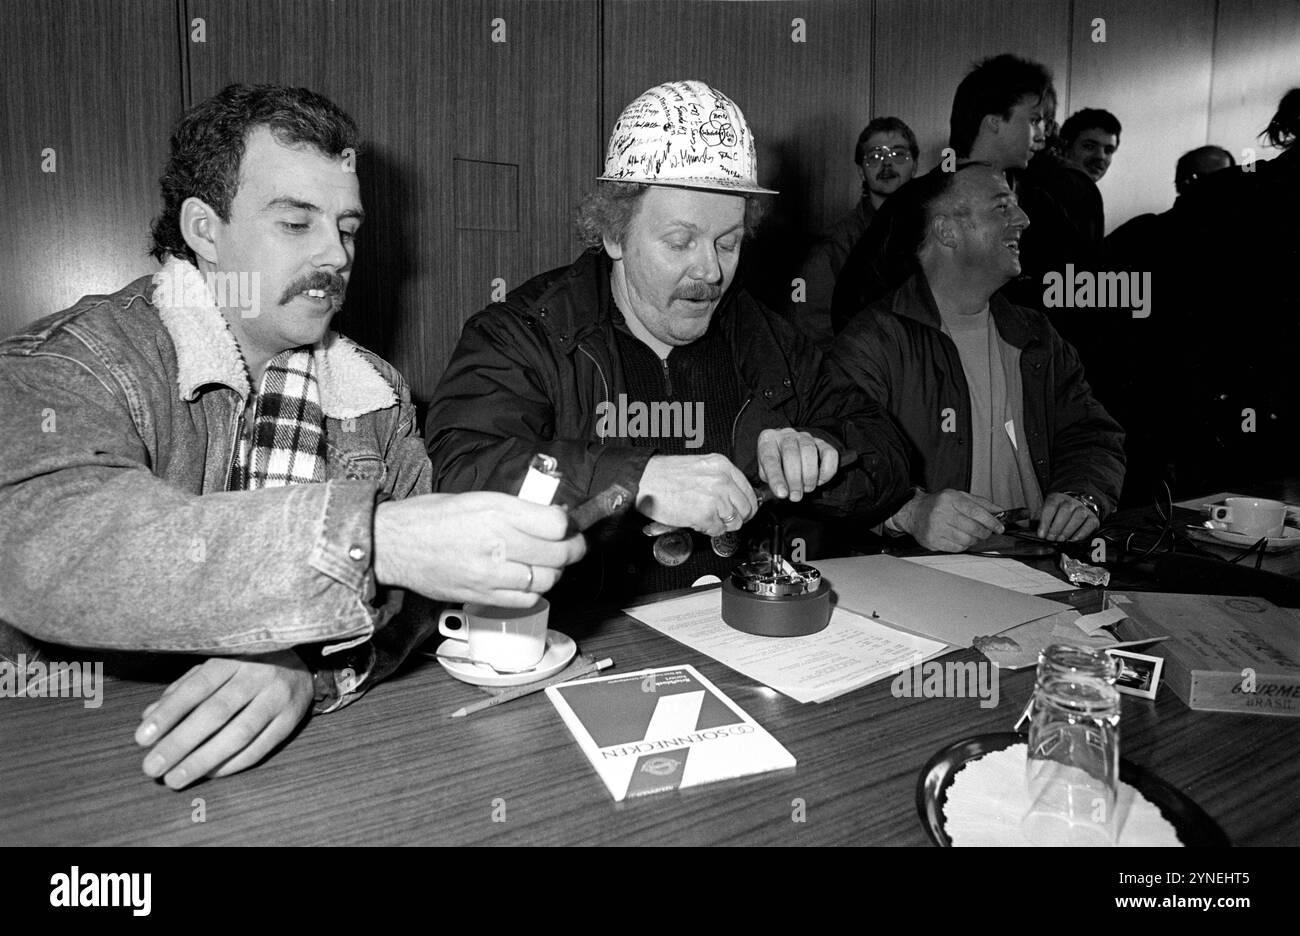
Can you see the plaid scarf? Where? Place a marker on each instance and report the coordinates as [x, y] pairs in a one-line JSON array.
[[288, 433]]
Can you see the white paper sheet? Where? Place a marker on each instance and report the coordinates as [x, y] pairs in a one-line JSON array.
[[929, 602], [1005, 573], [1091, 624], [850, 653]]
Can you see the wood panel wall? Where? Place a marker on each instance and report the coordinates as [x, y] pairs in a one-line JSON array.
[[66, 86], [527, 109], [479, 151]]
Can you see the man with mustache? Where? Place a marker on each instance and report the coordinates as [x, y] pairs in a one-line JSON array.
[[196, 464], [993, 403], [886, 155], [651, 318]]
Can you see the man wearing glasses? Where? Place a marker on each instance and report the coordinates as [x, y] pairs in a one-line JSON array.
[[886, 155]]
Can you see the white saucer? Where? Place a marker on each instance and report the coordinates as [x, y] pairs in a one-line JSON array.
[[1289, 539], [560, 649]]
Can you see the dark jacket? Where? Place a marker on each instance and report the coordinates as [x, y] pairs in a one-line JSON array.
[[1223, 330], [1067, 217], [896, 351], [822, 268], [529, 373], [1067, 224]]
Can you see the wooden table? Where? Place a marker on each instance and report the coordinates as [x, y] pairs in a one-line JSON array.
[[393, 769]]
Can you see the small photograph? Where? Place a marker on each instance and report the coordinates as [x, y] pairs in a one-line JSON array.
[[1140, 674]]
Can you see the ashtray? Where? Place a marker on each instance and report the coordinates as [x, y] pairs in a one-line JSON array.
[[776, 598]]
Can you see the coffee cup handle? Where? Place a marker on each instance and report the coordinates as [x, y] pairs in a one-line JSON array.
[[1221, 514], [455, 633]]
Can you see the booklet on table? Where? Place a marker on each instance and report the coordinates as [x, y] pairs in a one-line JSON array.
[[664, 728]]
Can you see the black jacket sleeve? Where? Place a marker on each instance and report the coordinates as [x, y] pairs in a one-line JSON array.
[[495, 408], [830, 405]]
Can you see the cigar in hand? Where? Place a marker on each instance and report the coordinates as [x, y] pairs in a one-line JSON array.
[[608, 503]]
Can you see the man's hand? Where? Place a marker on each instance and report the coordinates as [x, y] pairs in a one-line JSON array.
[[795, 463], [949, 521], [704, 492], [484, 547], [1065, 518], [224, 716]]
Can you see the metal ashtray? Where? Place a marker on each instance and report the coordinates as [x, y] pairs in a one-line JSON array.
[[776, 578], [776, 598]]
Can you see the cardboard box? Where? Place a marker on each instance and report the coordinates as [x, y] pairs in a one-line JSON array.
[[1224, 654]]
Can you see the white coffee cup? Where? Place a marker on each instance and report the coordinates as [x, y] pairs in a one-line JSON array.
[[1251, 516], [509, 638]]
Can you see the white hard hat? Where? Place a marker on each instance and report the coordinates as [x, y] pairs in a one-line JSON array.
[[684, 134]]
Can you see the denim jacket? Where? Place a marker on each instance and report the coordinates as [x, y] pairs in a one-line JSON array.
[[119, 418]]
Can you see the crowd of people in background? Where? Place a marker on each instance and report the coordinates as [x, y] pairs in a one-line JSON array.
[[1192, 359]]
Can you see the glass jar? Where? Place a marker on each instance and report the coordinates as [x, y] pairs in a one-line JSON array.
[[1072, 766], [1068, 660]]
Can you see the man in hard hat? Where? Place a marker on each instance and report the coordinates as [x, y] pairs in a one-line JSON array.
[[644, 363]]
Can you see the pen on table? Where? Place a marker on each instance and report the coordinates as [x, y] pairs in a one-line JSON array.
[[588, 667]]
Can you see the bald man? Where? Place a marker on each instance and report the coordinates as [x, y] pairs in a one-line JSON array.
[[993, 403]]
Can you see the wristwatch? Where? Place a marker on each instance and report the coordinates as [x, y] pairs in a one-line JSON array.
[[1087, 500]]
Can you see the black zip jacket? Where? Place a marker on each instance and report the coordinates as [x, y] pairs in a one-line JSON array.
[[896, 352], [529, 374]]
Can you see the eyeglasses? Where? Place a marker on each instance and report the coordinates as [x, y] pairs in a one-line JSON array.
[[877, 155]]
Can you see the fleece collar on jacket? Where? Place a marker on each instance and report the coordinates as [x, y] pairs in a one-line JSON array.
[[207, 353]]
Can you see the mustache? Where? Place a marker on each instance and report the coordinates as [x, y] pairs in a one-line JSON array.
[[699, 292], [332, 284]]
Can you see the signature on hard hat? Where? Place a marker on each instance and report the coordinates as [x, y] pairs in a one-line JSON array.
[[718, 131]]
